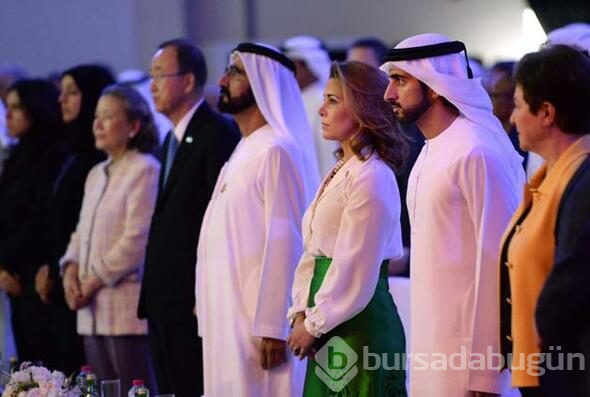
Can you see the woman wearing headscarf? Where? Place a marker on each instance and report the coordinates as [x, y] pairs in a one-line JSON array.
[[81, 87], [544, 264], [34, 118], [103, 263], [350, 231]]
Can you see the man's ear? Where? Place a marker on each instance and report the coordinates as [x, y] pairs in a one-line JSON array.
[[432, 95], [190, 83]]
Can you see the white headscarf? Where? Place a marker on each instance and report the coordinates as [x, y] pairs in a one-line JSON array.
[[310, 50], [279, 99], [574, 34], [447, 76]]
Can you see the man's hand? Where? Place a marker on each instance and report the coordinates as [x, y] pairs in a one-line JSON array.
[[400, 265], [273, 352], [44, 284], [72, 290], [300, 341], [10, 283]]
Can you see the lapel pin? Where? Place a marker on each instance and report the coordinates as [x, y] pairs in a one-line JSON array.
[[189, 139]]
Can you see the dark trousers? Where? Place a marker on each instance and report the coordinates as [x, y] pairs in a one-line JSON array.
[[45, 333], [178, 357], [30, 325], [566, 380], [36, 328], [531, 392], [120, 357]]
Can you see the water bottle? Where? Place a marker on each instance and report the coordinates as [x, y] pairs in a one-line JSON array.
[[13, 365], [91, 387], [138, 389], [81, 378]]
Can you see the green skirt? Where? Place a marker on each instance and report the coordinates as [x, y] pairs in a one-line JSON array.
[[364, 356]]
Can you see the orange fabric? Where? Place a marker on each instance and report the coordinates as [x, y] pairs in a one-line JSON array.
[[531, 254]]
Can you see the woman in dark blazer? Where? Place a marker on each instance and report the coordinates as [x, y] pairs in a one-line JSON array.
[[545, 272]]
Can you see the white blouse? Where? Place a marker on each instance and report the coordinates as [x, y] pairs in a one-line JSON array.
[[355, 221]]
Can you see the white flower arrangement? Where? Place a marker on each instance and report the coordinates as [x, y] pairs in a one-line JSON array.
[[35, 381]]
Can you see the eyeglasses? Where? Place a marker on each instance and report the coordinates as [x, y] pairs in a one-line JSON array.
[[160, 76], [233, 71]]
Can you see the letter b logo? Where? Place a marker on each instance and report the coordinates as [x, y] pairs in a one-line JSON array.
[[336, 360], [335, 364]]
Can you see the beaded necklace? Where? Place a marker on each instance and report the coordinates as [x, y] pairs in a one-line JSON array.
[[336, 168]]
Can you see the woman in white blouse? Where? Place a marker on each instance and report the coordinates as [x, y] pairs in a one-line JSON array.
[[350, 231], [103, 264]]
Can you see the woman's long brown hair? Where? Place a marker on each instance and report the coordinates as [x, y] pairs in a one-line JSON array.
[[363, 87]]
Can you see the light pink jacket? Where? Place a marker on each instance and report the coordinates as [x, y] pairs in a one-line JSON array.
[[110, 241]]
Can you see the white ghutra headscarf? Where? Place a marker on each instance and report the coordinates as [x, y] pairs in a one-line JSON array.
[[437, 61], [272, 79], [575, 34], [310, 50]]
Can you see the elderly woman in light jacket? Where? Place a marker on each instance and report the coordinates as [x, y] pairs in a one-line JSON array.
[[103, 264]]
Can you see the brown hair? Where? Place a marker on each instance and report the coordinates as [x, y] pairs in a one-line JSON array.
[[363, 87], [136, 109]]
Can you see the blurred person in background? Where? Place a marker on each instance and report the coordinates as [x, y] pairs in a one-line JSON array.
[[33, 117], [313, 66], [500, 86], [368, 50]]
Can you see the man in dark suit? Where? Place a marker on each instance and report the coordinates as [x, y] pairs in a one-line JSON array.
[[192, 155]]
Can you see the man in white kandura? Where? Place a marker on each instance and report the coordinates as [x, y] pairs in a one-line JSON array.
[[250, 241], [462, 191]]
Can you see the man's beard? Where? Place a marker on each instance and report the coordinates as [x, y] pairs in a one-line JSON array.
[[234, 105], [413, 114]]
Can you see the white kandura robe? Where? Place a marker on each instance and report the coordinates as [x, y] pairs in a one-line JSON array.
[[461, 195], [249, 246]]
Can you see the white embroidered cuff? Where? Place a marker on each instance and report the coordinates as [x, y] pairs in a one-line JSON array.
[[311, 329], [292, 313], [314, 321]]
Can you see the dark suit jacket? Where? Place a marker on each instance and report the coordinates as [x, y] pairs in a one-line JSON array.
[[168, 287], [562, 309]]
